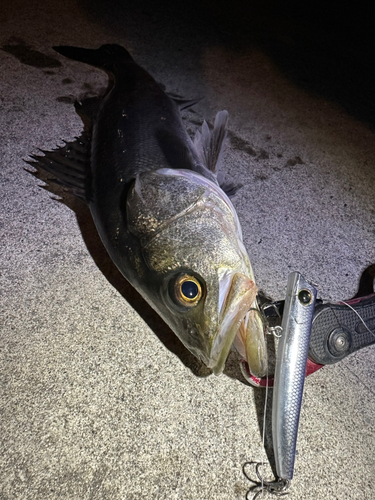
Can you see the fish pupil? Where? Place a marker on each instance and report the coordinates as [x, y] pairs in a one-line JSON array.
[[189, 289]]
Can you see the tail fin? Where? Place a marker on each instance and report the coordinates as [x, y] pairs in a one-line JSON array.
[[103, 57]]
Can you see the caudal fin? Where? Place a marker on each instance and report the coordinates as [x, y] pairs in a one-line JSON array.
[[103, 57]]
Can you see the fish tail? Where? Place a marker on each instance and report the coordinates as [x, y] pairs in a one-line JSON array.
[[104, 57]]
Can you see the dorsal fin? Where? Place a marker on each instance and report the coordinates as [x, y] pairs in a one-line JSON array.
[[210, 145], [70, 164]]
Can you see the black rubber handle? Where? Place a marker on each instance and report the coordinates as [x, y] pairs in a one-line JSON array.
[[339, 330]]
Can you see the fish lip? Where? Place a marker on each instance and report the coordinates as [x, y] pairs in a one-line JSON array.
[[219, 354], [250, 342], [254, 342], [237, 303]]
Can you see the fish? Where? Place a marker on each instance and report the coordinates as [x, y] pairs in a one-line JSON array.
[[162, 209]]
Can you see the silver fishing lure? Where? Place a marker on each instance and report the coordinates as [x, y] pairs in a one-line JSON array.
[[290, 372], [289, 378]]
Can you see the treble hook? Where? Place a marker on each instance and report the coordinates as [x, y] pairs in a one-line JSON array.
[[277, 488]]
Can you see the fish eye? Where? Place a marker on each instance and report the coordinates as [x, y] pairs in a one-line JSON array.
[[188, 290]]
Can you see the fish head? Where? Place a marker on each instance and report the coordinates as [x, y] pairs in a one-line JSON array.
[[195, 270]]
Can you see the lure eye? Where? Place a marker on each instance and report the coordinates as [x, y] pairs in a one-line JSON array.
[[188, 290]]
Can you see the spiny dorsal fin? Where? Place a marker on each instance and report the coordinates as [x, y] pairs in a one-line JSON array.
[[70, 164], [210, 145]]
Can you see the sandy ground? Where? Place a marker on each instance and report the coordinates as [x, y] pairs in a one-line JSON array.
[[98, 398]]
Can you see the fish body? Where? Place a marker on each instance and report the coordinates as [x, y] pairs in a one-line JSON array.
[[161, 214]]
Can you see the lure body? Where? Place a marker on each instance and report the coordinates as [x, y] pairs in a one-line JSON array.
[[290, 371]]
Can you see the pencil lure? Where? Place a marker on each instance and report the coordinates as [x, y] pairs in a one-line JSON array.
[[290, 372]]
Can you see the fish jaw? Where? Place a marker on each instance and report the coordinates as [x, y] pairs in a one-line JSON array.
[[255, 345], [239, 298], [250, 342]]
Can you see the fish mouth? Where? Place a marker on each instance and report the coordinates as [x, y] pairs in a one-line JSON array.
[[250, 342], [240, 325]]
